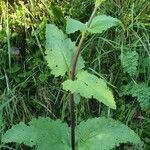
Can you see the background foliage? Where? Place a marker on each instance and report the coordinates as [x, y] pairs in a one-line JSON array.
[[28, 89]]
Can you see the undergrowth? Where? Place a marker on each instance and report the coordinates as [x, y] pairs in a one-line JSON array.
[[121, 59]]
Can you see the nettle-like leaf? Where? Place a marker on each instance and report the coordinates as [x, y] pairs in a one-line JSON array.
[[140, 91], [104, 134], [20, 133], [130, 62], [126, 89], [102, 23], [88, 86], [47, 134], [75, 25], [44, 133], [60, 51]]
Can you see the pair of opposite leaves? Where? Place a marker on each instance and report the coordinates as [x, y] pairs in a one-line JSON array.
[[60, 51]]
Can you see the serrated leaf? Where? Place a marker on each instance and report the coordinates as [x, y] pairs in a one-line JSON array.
[[20, 133], [141, 91], [130, 62], [88, 86], [44, 133], [102, 23], [60, 51], [104, 134], [75, 25]]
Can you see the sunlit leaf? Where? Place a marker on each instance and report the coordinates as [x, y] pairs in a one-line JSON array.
[[75, 25], [102, 23], [88, 86]]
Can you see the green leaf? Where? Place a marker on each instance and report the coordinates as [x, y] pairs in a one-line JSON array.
[[75, 25], [102, 23], [88, 85], [60, 51], [130, 62], [44, 133], [141, 91], [20, 133], [104, 134]]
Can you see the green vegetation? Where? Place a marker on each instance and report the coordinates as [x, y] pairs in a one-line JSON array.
[[39, 64]]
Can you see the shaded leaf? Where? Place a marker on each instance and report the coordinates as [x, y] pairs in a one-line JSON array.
[[130, 62], [141, 91]]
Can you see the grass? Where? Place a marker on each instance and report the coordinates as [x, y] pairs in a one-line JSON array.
[[27, 88]]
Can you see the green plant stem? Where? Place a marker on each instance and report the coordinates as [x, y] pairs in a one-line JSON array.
[[73, 73], [8, 35]]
